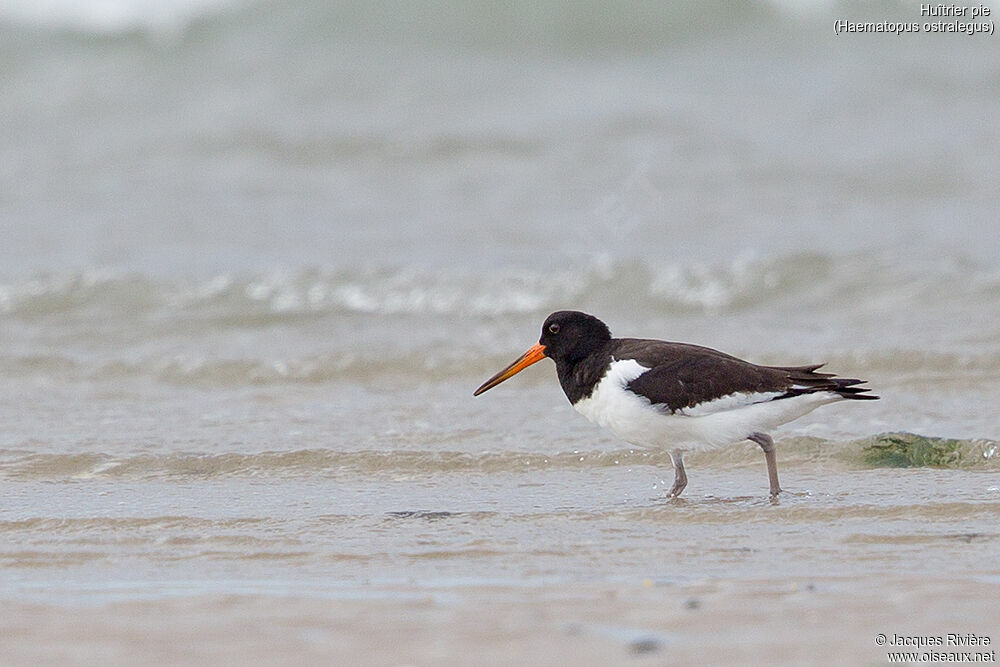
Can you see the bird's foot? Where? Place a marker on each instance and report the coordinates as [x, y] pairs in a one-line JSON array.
[[677, 488], [680, 475]]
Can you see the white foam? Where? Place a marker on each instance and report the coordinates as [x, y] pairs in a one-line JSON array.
[[112, 16]]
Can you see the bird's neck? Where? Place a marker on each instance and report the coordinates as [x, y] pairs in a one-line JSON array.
[[578, 377]]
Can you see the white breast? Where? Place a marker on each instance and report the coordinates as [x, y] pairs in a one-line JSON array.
[[629, 415]]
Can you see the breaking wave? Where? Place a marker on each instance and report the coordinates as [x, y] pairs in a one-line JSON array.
[[744, 282]]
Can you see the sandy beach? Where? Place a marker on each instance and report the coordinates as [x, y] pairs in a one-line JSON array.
[[770, 621]]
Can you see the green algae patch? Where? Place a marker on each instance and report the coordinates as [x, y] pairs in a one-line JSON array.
[[910, 450]]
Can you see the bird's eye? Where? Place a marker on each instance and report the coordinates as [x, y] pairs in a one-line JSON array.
[[554, 328]]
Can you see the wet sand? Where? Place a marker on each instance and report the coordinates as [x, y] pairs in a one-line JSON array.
[[721, 621], [552, 565]]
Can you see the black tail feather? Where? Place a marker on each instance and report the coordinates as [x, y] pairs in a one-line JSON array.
[[805, 380]]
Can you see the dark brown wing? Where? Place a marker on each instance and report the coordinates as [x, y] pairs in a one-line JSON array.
[[683, 375]]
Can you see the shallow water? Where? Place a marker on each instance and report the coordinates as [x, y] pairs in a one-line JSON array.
[[127, 539], [257, 255]]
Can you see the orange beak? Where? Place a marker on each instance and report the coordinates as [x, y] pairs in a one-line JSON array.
[[534, 354]]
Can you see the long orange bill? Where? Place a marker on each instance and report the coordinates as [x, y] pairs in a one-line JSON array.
[[534, 354]]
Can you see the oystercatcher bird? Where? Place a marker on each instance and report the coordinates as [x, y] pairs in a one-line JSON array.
[[677, 396]]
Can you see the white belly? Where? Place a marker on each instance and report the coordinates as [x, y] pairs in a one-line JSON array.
[[721, 422]]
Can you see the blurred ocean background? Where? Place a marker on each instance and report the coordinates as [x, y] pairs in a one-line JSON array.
[[255, 257]]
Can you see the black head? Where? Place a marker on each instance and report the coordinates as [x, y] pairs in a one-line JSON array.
[[569, 335]]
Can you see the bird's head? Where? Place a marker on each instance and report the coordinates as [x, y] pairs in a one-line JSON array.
[[567, 336]]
